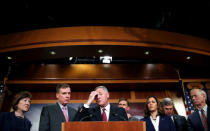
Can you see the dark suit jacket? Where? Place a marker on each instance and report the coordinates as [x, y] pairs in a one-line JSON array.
[[9, 122], [195, 123], [94, 114], [52, 117], [180, 123], [165, 124]]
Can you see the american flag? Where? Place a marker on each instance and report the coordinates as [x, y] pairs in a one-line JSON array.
[[1, 89], [187, 100]]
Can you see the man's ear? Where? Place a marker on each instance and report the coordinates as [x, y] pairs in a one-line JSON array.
[[107, 95], [57, 95], [128, 108]]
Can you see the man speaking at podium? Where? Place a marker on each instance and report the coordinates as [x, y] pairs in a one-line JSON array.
[[103, 111]]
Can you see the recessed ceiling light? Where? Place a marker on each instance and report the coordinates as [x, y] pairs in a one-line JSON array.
[[52, 52], [188, 57], [106, 59], [146, 52], [9, 57], [70, 58], [100, 51]]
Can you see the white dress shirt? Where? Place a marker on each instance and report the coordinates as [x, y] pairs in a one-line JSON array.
[[155, 122]]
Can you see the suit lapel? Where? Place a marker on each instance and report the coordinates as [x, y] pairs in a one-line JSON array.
[[59, 112], [111, 113], [98, 114], [175, 120], [69, 113], [208, 116], [161, 120], [198, 119], [149, 122]]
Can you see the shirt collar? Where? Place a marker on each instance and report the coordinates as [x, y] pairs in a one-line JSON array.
[[61, 106], [204, 108], [107, 107]]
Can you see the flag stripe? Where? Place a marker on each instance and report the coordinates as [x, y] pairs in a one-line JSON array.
[[187, 100]]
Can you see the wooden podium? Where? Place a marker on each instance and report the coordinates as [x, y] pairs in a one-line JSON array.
[[104, 126]]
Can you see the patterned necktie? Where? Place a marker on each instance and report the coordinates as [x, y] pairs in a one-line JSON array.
[[65, 115], [203, 117], [104, 118]]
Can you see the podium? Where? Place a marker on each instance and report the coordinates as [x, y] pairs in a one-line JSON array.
[[104, 126]]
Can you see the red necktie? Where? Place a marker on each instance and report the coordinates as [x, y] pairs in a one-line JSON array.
[[104, 118], [203, 116], [65, 115]]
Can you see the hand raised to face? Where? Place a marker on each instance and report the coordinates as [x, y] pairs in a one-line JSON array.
[[92, 96]]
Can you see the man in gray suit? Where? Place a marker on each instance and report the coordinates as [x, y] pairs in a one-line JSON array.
[[180, 122], [53, 115]]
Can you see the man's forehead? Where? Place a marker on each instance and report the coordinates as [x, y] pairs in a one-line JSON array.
[[168, 106], [65, 90], [123, 102]]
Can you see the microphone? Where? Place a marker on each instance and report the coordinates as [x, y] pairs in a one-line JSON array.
[[86, 117], [119, 116]]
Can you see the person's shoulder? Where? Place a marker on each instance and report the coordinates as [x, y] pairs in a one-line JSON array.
[[178, 117], [162, 116], [144, 119], [49, 106], [6, 115], [117, 109], [27, 122], [72, 109], [3, 114], [193, 115]]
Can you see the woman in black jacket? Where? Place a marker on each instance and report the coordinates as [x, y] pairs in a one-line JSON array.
[[16, 121]]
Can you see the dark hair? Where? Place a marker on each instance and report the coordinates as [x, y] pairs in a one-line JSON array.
[[59, 86], [18, 97], [124, 99], [146, 110]]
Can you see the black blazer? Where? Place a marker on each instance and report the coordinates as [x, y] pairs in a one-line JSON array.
[[94, 114], [52, 117], [165, 124], [195, 123], [180, 123], [9, 122]]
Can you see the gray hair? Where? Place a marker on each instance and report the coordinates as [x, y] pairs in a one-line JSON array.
[[167, 101], [102, 87], [202, 92]]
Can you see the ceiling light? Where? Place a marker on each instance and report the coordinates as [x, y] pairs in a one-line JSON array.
[[106, 59], [52, 52], [9, 57], [70, 58], [147, 53], [188, 58], [100, 51]]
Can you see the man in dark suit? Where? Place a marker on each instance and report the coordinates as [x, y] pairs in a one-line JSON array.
[[103, 111], [180, 122], [124, 103], [53, 115], [199, 120]]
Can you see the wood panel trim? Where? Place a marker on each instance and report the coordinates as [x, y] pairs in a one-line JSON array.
[[99, 35], [196, 80], [104, 42], [133, 95], [89, 81]]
